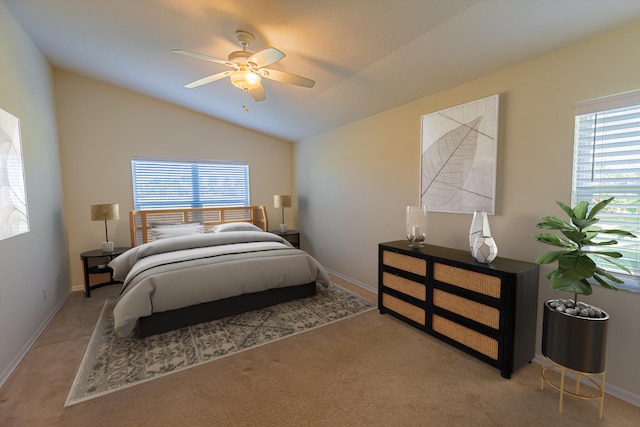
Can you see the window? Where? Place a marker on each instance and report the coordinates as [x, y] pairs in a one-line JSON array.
[[189, 184], [14, 219], [607, 163]]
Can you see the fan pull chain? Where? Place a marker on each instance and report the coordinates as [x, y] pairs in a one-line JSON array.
[[244, 100]]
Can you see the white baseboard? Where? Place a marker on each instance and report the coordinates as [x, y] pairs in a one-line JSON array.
[[354, 281], [25, 349], [610, 389]]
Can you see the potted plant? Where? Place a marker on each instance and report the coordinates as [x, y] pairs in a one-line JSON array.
[[574, 333]]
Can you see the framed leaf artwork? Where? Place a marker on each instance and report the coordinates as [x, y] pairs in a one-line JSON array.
[[458, 157]]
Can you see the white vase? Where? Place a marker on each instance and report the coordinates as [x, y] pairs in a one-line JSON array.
[[483, 247]]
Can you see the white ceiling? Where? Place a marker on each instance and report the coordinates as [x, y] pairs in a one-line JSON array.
[[366, 56]]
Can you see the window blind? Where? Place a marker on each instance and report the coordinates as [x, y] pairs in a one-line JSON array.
[[189, 184], [607, 164]]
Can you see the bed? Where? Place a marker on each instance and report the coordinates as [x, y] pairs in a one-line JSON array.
[[188, 266]]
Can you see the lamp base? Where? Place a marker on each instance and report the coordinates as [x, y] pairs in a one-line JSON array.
[[107, 246], [283, 228]]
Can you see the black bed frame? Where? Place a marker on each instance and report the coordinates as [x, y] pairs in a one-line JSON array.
[[165, 321]]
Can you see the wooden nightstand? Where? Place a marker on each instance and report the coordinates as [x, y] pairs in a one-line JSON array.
[[292, 236], [95, 262]]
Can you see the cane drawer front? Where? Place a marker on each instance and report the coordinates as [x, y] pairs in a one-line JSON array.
[[406, 286], [410, 311], [465, 336], [476, 311], [404, 262], [466, 279]]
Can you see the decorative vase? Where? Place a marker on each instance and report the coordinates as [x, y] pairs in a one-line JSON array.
[[416, 225], [575, 342], [483, 247]]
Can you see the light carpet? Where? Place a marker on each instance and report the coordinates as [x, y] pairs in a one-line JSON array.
[[112, 363]]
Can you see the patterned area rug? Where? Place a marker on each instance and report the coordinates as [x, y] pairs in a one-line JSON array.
[[112, 363]]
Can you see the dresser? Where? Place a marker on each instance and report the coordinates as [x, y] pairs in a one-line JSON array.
[[486, 310]]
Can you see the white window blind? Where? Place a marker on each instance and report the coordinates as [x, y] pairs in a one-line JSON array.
[[607, 164], [189, 184]]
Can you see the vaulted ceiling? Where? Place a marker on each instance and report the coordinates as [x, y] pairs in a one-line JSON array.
[[366, 56]]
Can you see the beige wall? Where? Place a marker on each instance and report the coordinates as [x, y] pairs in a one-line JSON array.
[[353, 183], [102, 127], [35, 277]]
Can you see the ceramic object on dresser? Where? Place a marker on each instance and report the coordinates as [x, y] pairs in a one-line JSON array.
[[416, 225], [482, 245]]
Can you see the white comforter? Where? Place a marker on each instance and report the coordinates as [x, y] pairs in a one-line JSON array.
[[182, 271]]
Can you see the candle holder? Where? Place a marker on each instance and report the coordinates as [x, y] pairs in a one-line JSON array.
[[416, 225]]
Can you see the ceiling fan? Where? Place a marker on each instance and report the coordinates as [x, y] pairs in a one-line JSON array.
[[248, 68]]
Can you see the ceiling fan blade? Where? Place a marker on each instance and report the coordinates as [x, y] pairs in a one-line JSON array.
[[208, 79], [258, 94], [265, 57], [284, 77], [201, 56]]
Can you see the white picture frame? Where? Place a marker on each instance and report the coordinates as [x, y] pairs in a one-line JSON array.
[[458, 156]]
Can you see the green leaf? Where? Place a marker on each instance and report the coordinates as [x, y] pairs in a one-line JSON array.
[[553, 240], [554, 223], [619, 233], [576, 266], [611, 254], [580, 211], [549, 257], [604, 283], [604, 273], [570, 285], [601, 243], [598, 207], [584, 223], [612, 262], [554, 274], [566, 208], [574, 235]]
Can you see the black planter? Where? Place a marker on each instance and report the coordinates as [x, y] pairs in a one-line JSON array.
[[578, 343]]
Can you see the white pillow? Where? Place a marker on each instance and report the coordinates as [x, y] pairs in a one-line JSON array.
[[175, 230], [235, 226]]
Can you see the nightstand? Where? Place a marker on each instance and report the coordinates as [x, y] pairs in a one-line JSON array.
[[95, 262], [292, 236]]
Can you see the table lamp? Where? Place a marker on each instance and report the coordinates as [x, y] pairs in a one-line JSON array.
[[106, 212], [282, 201]]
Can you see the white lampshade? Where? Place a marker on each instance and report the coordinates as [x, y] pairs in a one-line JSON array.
[[281, 201]]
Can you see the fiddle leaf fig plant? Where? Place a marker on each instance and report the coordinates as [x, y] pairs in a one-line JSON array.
[[576, 256]]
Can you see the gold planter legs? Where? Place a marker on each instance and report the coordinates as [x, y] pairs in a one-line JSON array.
[[591, 377]]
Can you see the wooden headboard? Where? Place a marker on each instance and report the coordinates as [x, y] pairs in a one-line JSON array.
[[139, 221]]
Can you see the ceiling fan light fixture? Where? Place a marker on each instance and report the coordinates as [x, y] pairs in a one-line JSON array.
[[245, 80]]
